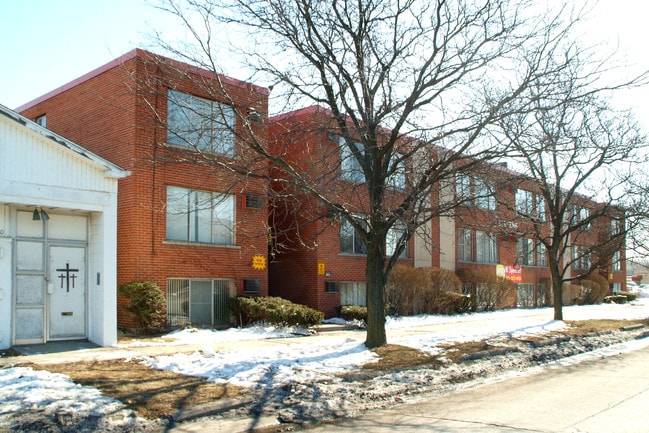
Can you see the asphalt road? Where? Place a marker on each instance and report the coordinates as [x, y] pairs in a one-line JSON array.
[[608, 395]]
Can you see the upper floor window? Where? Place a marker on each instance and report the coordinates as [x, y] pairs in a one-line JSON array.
[[580, 258], [42, 120], [392, 238], [525, 247], [350, 167], [580, 215], [616, 264], [484, 195], [541, 255], [200, 216], [486, 247], [463, 188], [199, 123], [524, 203], [615, 227], [351, 242], [397, 180], [465, 245], [540, 207]]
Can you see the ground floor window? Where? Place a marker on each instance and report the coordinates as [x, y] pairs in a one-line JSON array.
[[525, 298], [616, 287], [202, 302], [353, 293]]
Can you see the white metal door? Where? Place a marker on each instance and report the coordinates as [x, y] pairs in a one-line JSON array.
[[66, 291]]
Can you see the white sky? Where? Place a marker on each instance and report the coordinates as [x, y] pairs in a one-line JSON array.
[[45, 44]]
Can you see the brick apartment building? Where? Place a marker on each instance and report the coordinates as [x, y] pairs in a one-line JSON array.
[[184, 221], [322, 263], [201, 231], [486, 234]]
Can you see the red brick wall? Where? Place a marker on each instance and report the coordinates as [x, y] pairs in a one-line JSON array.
[[114, 115]]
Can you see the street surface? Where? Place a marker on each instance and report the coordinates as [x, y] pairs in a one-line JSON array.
[[608, 395]]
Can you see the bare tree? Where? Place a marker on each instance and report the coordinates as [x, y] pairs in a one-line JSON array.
[[578, 155], [410, 87]]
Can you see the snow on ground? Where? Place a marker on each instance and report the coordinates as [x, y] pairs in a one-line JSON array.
[[296, 367]]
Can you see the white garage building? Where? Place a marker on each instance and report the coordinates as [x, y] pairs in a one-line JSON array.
[[58, 237]]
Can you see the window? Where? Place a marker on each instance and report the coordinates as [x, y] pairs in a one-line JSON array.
[[465, 245], [397, 180], [525, 295], [353, 293], [350, 167], [199, 123], [332, 287], [484, 196], [524, 203], [615, 227], [617, 287], [617, 263], [200, 216], [541, 256], [580, 258], [351, 241], [199, 301], [540, 207], [525, 248], [42, 120], [486, 248], [391, 239], [463, 187], [580, 215]]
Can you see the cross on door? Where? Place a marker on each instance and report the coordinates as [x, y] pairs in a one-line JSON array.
[[67, 277]]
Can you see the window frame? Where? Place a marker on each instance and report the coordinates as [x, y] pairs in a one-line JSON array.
[[486, 246], [217, 122], [465, 246], [357, 244], [350, 167], [195, 217], [484, 195]]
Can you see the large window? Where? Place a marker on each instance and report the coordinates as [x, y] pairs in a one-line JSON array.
[[199, 123], [524, 202], [580, 258], [484, 195], [392, 238], [465, 245], [525, 247], [486, 248], [200, 216], [353, 293], [350, 167], [617, 261], [541, 255], [397, 180], [351, 241], [199, 301], [463, 188]]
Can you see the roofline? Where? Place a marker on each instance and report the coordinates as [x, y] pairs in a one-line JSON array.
[[312, 109], [138, 52], [115, 170]]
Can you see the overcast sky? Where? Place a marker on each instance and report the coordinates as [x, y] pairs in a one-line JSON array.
[[45, 44]]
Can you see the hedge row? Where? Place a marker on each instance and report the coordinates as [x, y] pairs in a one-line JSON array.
[[273, 310]]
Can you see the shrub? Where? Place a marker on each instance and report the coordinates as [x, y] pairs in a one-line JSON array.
[[417, 290], [451, 303], [595, 288], [354, 312], [571, 294], [146, 303], [488, 292], [276, 311], [403, 284]]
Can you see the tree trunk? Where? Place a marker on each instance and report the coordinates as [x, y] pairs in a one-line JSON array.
[[376, 336], [557, 288]]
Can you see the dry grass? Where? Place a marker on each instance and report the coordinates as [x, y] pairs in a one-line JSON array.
[[156, 393], [152, 393]]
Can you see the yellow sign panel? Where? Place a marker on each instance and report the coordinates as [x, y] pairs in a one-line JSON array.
[[259, 262], [321, 268]]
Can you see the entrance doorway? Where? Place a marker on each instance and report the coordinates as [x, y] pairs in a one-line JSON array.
[[50, 278]]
